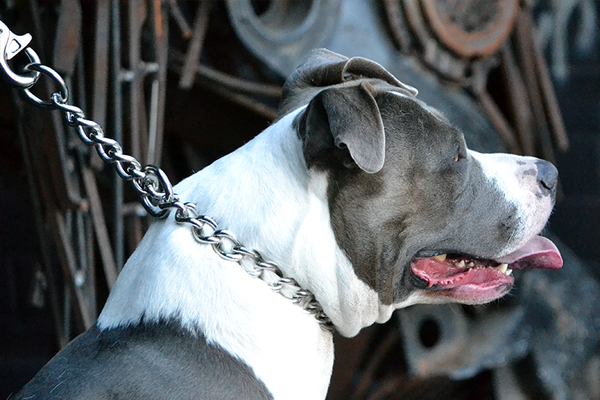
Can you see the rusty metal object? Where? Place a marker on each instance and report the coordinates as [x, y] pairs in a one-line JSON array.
[[100, 69], [433, 53], [100, 228], [192, 57], [398, 27], [517, 100], [471, 28], [503, 128], [180, 20], [212, 77], [68, 37], [451, 33], [240, 91], [159, 84], [548, 96], [526, 58], [468, 29], [81, 279], [134, 75]]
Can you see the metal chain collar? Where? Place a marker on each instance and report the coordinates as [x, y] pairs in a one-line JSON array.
[[150, 182]]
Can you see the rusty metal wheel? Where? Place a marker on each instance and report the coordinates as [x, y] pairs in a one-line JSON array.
[[450, 35], [471, 28]]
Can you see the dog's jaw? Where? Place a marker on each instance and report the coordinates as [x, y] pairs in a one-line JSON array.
[[318, 263]]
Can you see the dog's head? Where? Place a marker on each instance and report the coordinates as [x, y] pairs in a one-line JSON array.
[[413, 209]]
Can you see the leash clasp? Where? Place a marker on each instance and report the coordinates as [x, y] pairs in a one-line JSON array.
[[10, 46]]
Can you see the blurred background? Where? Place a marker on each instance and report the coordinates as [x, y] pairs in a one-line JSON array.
[[182, 83]]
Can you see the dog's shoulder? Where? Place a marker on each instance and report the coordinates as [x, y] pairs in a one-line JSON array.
[[153, 361]]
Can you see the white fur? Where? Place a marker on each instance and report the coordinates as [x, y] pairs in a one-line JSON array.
[[507, 171], [265, 195]]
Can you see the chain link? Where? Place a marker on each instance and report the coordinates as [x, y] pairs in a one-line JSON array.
[[157, 196]]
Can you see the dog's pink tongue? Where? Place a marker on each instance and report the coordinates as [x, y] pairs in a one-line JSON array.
[[538, 253]]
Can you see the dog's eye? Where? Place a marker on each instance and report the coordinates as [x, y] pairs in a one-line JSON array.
[[459, 155]]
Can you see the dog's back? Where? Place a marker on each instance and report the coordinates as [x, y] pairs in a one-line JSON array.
[[150, 361]]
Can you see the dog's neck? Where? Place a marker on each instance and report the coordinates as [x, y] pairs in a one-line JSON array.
[[265, 195]]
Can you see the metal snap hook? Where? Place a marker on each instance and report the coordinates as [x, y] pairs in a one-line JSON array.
[[10, 46]]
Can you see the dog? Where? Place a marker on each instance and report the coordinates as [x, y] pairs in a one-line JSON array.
[[361, 193]]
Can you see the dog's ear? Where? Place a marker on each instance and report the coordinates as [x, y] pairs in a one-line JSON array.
[[344, 123], [323, 69]]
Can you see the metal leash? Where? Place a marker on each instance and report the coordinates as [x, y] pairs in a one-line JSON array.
[[150, 182]]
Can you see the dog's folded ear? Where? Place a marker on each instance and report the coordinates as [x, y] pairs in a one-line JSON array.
[[343, 124], [323, 69]]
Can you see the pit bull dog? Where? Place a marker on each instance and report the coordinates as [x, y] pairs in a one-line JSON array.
[[362, 194]]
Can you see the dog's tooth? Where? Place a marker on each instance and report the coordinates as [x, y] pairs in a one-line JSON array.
[[471, 264], [502, 268], [508, 272], [441, 257], [461, 264]]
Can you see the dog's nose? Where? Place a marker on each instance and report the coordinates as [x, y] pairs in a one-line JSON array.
[[547, 176]]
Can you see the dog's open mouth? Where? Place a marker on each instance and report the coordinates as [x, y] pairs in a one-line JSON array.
[[470, 279]]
